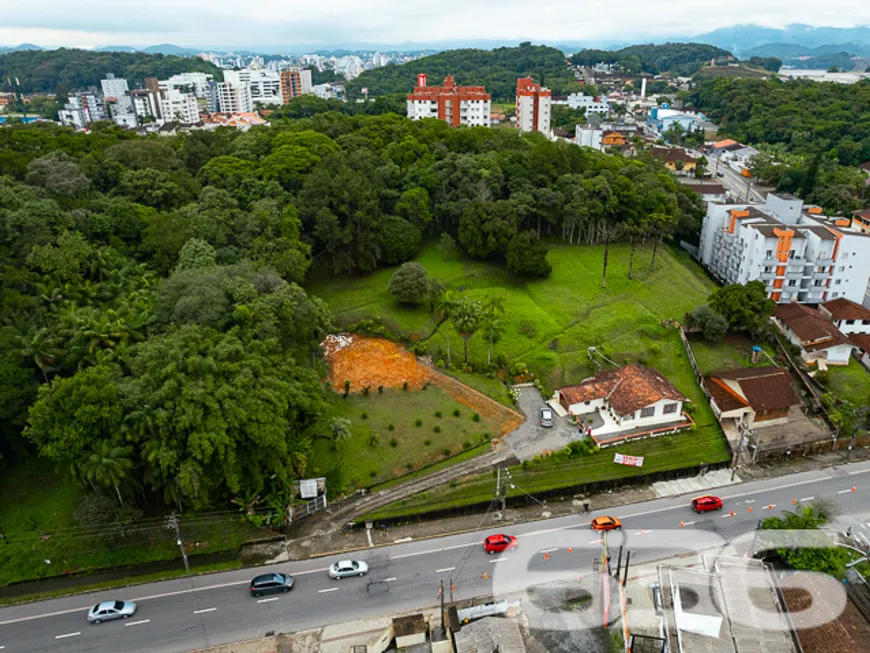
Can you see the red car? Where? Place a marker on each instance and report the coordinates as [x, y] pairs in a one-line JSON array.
[[706, 503], [606, 524], [499, 543]]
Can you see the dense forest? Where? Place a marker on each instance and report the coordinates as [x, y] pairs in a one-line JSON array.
[[678, 58], [496, 69], [156, 335], [812, 134], [63, 70]]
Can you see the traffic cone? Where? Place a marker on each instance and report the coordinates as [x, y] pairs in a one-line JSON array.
[[570, 550], [485, 575], [853, 488], [750, 508], [732, 514], [793, 501], [682, 524], [546, 556]]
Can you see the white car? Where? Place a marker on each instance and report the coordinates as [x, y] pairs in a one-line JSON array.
[[546, 416], [108, 610], [345, 568]]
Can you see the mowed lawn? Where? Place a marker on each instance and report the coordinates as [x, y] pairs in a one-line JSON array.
[[850, 382], [375, 454], [732, 352]]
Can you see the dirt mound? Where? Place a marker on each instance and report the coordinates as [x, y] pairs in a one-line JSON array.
[[371, 362]]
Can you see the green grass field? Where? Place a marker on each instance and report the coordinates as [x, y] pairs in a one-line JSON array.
[[728, 354], [359, 462], [850, 382], [703, 446]]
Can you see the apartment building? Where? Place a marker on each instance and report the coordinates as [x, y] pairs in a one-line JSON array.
[[234, 99], [83, 107], [176, 106], [534, 106], [293, 83], [264, 86], [195, 82], [799, 254], [456, 105], [593, 104]]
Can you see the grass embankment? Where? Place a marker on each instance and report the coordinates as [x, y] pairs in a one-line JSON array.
[[850, 382], [37, 517], [704, 446], [376, 454]]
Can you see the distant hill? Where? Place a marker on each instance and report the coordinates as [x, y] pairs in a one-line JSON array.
[[168, 48], [497, 69], [60, 71], [679, 58], [19, 48], [741, 38], [116, 48]]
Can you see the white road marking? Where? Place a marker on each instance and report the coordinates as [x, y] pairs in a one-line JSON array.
[[769, 506], [844, 491], [443, 548], [727, 516], [598, 541], [750, 501], [274, 598], [441, 571], [498, 560], [204, 610], [136, 623], [549, 550], [686, 523], [68, 635], [807, 499], [330, 589], [388, 580], [642, 532]]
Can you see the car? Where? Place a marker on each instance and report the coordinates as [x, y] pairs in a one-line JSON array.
[[605, 523], [271, 584], [706, 503], [499, 542], [546, 416], [345, 568], [108, 610], [720, 174]]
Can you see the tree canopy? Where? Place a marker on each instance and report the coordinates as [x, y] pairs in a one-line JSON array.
[[679, 58]]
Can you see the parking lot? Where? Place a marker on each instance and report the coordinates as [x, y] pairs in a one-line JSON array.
[[531, 438]]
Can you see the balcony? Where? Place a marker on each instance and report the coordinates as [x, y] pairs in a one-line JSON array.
[[820, 262], [794, 274], [767, 276], [820, 275], [771, 261]]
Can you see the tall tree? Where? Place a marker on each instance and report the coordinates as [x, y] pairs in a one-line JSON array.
[[465, 315], [491, 326]]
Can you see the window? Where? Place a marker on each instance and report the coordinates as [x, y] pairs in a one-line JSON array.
[[792, 282], [842, 268], [834, 294], [845, 255], [670, 408], [768, 268], [628, 417], [649, 411], [837, 282], [769, 253], [850, 321]]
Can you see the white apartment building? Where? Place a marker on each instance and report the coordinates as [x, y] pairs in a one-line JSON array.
[[800, 254], [592, 104], [534, 106], [198, 82], [264, 86], [176, 106], [83, 107], [588, 137], [234, 99], [456, 105]]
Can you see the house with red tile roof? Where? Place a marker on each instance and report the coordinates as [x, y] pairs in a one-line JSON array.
[[816, 336], [848, 316], [753, 396], [626, 398]]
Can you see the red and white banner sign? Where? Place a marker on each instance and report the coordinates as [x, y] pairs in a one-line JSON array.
[[634, 461]]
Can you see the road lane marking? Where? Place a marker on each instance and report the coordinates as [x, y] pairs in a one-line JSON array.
[[204, 610], [807, 499], [441, 571], [68, 635], [388, 580], [498, 560], [548, 550], [687, 523], [750, 501], [329, 589], [642, 532], [598, 541], [136, 623], [442, 549], [274, 598], [844, 491]]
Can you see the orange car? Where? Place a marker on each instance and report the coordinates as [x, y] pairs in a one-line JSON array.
[[606, 524]]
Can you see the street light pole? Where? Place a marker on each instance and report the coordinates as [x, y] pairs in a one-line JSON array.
[[173, 523]]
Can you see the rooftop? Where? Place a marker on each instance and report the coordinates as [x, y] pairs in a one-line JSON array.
[[763, 388], [808, 324], [845, 309], [628, 389], [490, 635]]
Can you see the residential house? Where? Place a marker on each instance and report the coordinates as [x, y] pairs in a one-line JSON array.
[[710, 191], [753, 396], [675, 159], [817, 338], [861, 221], [862, 347], [490, 635], [848, 316], [865, 168], [796, 251], [626, 398]]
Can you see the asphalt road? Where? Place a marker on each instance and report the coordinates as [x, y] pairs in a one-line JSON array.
[[734, 182], [187, 614]]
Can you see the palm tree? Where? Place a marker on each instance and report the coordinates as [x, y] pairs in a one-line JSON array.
[[107, 466], [491, 327], [466, 318], [444, 305]]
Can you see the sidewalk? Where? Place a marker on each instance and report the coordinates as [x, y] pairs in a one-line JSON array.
[[323, 542]]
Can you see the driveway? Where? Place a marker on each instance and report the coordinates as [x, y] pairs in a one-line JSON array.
[[531, 438]]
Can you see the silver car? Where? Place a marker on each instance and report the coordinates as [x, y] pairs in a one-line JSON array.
[[108, 610], [345, 568], [546, 416]]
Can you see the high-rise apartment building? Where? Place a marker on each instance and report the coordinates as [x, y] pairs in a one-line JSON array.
[[294, 82], [83, 107], [456, 105], [264, 86], [800, 254], [234, 99], [194, 82], [176, 106], [533, 106]]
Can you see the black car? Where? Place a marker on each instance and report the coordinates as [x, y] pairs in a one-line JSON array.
[[271, 584]]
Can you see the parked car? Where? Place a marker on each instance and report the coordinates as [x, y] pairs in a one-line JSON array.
[[606, 524], [271, 584], [345, 568], [108, 610], [499, 542], [546, 416], [720, 174], [706, 503]]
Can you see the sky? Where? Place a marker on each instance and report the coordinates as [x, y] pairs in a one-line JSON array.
[[211, 23]]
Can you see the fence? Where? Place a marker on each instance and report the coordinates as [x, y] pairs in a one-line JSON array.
[[295, 513]]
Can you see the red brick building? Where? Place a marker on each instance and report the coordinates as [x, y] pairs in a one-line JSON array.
[[456, 105]]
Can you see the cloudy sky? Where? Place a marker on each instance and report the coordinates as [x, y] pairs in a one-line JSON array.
[[198, 23]]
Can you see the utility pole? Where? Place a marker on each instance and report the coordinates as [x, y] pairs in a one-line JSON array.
[[619, 563], [501, 487], [627, 559], [174, 523]]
